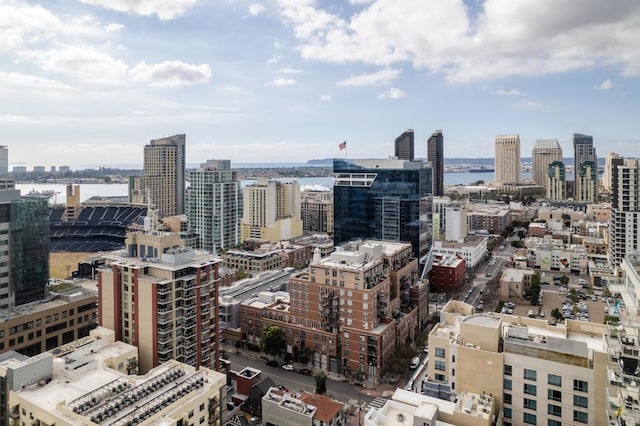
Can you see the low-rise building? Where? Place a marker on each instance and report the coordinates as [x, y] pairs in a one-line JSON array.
[[447, 272], [472, 249], [283, 408], [515, 282]]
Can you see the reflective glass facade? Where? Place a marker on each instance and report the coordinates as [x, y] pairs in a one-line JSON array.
[[382, 199]]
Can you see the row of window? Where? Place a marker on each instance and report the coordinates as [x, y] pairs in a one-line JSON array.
[[552, 379], [532, 419]]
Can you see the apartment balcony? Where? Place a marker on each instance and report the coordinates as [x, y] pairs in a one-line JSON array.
[[165, 339], [188, 314], [165, 318], [163, 300], [165, 349], [624, 405], [164, 290]]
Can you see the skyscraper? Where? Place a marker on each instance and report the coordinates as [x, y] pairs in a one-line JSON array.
[[435, 155], [508, 158], [214, 205], [556, 183], [607, 178], [544, 152], [583, 150], [382, 199], [316, 210], [403, 146], [163, 177], [624, 231], [586, 188]]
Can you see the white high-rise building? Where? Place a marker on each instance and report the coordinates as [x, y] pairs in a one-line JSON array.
[[607, 177], [544, 152], [456, 222], [624, 231], [508, 158], [214, 205]]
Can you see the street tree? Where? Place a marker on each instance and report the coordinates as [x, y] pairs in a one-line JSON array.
[[273, 340], [321, 382]]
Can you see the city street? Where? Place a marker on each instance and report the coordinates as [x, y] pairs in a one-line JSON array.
[[293, 381]]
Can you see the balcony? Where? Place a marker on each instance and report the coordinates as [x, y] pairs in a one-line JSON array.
[[165, 318]]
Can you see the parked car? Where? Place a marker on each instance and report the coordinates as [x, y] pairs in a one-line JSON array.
[[272, 363], [287, 367], [305, 371], [415, 362]]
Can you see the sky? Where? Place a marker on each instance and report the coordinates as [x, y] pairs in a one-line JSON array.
[[90, 82]]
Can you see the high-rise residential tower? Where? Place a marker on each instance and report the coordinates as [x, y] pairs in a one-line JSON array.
[[583, 151], [316, 210], [435, 155], [545, 152], [586, 187], [624, 229], [556, 183], [403, 146], [162, 297], [214, 205], [271, 211], [4, 161], [508, 158], [163, 177], [382, 199], [607, 177]]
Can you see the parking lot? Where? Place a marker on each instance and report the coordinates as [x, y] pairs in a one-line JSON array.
[[554, 299]]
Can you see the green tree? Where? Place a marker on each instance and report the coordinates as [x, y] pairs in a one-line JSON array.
[[522, 234], [534, 289], [564, 280], [273, 340], [556, 314], [573, 295], [321, 382]]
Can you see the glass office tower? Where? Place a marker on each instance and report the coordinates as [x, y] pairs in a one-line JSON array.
[[385, 199]]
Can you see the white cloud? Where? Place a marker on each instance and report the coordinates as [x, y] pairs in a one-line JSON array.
[[325, 98], [360, 1], [274, 59], [393, 93], [84, 62], [510, 92], [256, 9], [112, 28], [605, 85], [30, 82], [527, 104], [384, 76], [502, 38], [171, 74], [288, 70], [279, 82], [164, 9]]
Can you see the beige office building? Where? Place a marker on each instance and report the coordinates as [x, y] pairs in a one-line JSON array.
[[536, 372], [508, 158], [545, 152], [162, 183], [271, 211], [162, 297], [316, 210], [86, 383]]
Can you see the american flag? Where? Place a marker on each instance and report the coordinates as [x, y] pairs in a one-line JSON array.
[[343, 145]]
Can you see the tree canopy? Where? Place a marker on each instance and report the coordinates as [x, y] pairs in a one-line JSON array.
[[273, 340]]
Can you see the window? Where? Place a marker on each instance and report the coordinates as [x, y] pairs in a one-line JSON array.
[[530, 374], [506, 384], [507, 413], [507, 398], [580, 401], [554, 410], [530, 389], [530, 404], [552, 422], [440, 366], [580, 417], [441, 378], [507, 370], [440, 353], [580, 385], [554, 395], [554, 380], [529, 419]]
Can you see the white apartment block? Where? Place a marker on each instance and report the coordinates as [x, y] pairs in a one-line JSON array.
[[607, 177], [537, 373], [472, 249], [624, 233], [456, 222], [507, 158]]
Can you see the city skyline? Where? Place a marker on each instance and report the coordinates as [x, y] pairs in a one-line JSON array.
[[287, 81]]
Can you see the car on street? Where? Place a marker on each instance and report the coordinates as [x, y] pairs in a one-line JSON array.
[[272, 363], [305, 371], [415, 362], [287, 367]]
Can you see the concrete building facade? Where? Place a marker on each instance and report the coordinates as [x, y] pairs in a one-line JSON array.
[[545, 152], [507, 158], [162, 298], [316, 211], [556, 182], [624, 231]]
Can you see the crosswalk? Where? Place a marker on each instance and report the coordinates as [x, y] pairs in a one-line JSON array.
[[376, 403]]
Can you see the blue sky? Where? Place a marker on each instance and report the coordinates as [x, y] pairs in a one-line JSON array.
[[287, 80]]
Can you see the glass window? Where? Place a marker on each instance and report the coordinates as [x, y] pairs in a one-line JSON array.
[[554, 395], [580, 401], [506, 384], [555, 380], [530, 374], [440, 352], [440, 366], [580, 385], [530, 389], [507, 412], [554, 410], [580, 417], [552, 422], [529, 419], [530, 404], [507, 370], [507, 398]]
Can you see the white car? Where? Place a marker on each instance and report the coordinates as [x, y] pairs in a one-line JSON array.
[[287, 367]]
